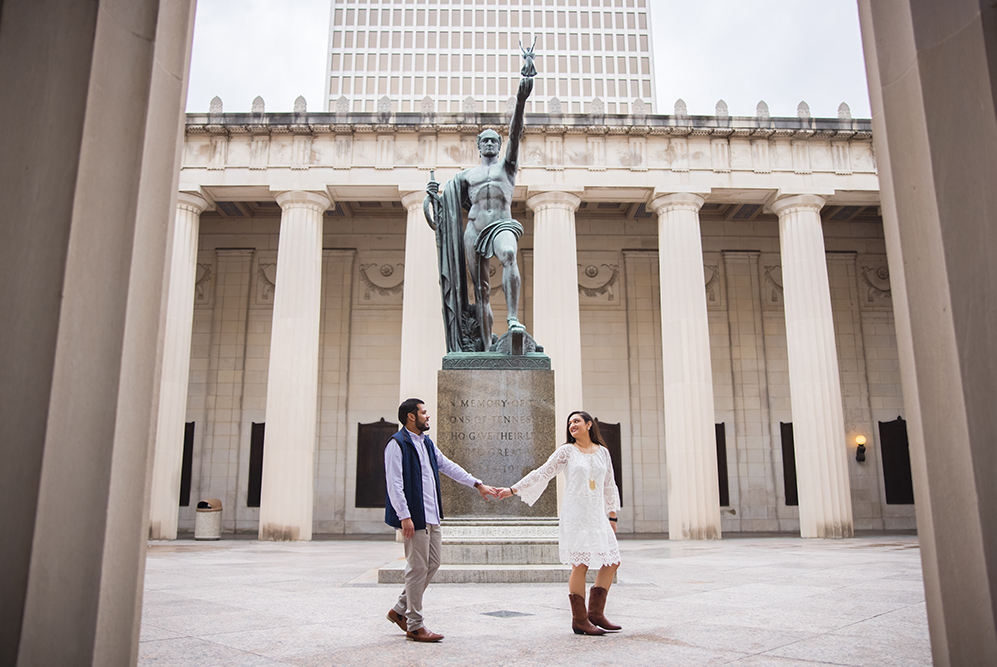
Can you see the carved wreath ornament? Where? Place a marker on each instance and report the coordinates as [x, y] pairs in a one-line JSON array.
[[607, 288], [873, 290], [386, 271]]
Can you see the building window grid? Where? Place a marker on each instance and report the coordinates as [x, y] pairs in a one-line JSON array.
[[572, 81]]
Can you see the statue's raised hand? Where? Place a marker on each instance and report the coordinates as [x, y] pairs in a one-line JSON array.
[[525, 87]]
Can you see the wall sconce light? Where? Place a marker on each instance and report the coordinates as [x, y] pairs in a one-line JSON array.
[[860, 450]]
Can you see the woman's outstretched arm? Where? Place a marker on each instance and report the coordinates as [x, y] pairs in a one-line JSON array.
[[530, 488]]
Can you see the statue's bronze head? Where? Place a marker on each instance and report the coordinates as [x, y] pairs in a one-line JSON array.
[[490, 134]]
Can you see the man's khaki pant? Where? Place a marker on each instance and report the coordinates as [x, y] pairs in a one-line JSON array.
[[423, 555]]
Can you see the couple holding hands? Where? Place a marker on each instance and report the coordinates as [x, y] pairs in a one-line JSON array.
[[587, 525]]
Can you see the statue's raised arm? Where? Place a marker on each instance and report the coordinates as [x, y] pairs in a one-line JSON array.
[[525, 88]]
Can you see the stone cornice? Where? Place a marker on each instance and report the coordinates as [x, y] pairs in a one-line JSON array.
[[656, 125]]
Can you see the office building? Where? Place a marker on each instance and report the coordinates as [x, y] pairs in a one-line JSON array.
[[464, 55]]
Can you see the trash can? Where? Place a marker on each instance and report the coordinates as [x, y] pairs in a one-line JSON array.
[[208, 520]]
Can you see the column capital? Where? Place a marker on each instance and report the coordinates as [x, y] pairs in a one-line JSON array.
[[678, 201], [318, 200], [786, 205], [192, 201], [412, 199], [553, 199]]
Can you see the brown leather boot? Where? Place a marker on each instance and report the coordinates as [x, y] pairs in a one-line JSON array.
[[597, 604], [579, 617]]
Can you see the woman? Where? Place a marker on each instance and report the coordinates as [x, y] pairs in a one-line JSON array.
[[587, 529]]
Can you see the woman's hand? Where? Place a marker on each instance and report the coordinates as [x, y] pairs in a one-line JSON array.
[[504, 493]]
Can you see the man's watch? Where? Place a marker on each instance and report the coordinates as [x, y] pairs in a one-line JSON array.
[[477, 484]]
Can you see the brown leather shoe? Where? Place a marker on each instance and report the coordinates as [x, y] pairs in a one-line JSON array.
[[398, 620], [423, 635]]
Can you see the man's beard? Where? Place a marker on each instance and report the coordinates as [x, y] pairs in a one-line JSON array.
[[423, 427]]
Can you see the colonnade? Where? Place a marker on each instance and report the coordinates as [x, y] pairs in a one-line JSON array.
[[688, 403]]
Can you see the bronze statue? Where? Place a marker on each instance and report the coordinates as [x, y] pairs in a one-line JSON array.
[[485, 191]]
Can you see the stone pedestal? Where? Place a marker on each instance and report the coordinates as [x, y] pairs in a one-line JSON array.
[[497, 422]]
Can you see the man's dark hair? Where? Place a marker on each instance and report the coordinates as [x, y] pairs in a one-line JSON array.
[[408, 406]]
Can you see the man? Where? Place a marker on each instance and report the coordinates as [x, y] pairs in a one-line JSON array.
[[486, 191], [412, 467]]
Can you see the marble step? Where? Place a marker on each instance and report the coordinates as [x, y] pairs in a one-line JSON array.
[[500, 552], [499, 541], [485, 574], [518, 529]]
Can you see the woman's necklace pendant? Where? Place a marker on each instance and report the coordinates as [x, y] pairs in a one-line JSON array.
[[592, 484]]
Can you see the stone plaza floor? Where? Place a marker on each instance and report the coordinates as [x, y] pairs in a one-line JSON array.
[[741, 601]]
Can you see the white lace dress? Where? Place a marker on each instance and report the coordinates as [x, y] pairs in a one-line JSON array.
[[585, 536]]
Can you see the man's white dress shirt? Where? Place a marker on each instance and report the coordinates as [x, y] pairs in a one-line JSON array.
[[396, 486]]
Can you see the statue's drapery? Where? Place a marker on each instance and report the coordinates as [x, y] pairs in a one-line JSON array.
[[453, 265], [486, 237]]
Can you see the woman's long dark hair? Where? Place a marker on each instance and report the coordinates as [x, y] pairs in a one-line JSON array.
[[594, 433]]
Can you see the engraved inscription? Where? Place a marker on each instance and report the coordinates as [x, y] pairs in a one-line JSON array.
[[498, 425]]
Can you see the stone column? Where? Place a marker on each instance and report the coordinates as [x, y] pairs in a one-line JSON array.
[[423, 339], [933, 92], [814, 383], [555, 301], [168, 454], [87, 179], [292, 383], [690, 431]]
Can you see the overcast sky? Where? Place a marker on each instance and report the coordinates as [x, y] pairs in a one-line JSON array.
[[780, 51]]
